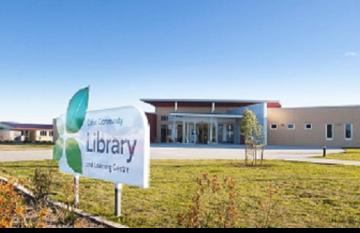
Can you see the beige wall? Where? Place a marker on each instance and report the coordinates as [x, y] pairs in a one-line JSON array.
[[39, 138], [318, 117], [7, 135]]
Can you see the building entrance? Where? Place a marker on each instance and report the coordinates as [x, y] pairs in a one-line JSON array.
[[203, 133], [197, 133], [203, 129], [200, 133]]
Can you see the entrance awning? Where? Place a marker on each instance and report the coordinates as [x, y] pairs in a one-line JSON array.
[[208, 115]]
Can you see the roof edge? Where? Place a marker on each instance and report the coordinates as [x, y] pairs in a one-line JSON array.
[[210, 101], [323, 107]]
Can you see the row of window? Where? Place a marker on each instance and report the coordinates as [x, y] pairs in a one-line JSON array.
[[291, 127], [46, 133], [164, 118], [348, 130], [169, 118], [42, 133]]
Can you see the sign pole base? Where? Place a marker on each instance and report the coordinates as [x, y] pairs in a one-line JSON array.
[[77, 190], [118, 196]]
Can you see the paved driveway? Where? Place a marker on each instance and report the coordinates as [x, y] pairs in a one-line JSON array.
[[29, 155], [191, 152], [234, 152]]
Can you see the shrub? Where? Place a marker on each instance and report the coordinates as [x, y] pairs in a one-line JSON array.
[[40, 185], [214, 205], [66, 214], [269, 212], [13, 209], [14, 212]]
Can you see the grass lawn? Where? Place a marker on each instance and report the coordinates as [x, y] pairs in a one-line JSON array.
[[312, 195], [350, 154], [20, 147]]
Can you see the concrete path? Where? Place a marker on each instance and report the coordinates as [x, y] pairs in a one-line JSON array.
[[28, 155], [326, 161], [293, 154], [227, 152], [234, 152]]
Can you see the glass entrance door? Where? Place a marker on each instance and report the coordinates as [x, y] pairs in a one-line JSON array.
[[190, 133], [203, 133]]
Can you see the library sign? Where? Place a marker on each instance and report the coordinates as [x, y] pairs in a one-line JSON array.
[[111, 145]]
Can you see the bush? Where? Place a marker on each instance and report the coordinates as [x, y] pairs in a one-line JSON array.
[[40, 185], [269, 212], [41, 188], [66, 214], [215, 206], [13, 209]]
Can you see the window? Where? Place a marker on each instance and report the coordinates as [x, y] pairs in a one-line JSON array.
[[348, 132], [291, 126], [51, 133], [329, 132], [24, 133], [273, 127], [173, 118], [230, 134], [43, 133], [164, 118], [308, 127]]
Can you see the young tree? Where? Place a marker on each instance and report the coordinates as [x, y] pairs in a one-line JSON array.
[[253, 133]]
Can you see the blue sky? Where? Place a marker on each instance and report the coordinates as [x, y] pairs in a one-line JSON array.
[[302, 52]]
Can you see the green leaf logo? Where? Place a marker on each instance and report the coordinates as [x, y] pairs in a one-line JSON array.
[[58, 150], [73, 155], [76, 111], [75, 117]]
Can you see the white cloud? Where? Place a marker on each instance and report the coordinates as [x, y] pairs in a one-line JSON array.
[[352, 54]]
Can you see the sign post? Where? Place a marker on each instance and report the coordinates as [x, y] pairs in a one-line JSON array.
[[77, 190], [111, 145], [118, 197]]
